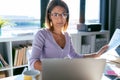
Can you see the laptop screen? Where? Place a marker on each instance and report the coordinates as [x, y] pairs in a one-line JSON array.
[[73, 69]]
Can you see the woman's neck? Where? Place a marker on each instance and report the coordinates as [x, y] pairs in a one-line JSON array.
[[57, 32]]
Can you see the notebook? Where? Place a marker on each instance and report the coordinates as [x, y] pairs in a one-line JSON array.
[[73, 69]]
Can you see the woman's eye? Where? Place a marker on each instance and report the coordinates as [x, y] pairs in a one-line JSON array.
[[64, 14], [55, 14]]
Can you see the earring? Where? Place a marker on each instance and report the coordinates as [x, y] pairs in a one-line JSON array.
[[51, 23]]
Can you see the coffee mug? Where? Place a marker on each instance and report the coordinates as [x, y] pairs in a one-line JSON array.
[[31, 75]]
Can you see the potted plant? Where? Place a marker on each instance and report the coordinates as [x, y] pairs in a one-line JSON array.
[[2, 23]]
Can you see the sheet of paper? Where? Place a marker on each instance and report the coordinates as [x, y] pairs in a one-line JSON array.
[[111, 53], [115, 40]]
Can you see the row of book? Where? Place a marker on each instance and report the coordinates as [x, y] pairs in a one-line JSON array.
[[3, 74], [99, 43], [20, 54], [87, 48], [3, 63]]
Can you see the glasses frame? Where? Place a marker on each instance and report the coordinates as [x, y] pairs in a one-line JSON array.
[[56, 15]]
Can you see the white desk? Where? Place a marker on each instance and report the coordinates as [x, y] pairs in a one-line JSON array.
[[20, 77]]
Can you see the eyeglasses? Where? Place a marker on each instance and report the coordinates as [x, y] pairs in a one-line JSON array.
[[56, 15]]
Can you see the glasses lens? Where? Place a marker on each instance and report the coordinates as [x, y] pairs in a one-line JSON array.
[[55, 14], [65, 15]]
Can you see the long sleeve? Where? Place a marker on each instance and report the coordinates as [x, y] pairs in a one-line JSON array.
[[37, 48]]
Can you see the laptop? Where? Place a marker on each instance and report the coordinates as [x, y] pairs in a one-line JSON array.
[[73, 69]]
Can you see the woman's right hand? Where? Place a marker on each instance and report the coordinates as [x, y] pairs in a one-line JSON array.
[[38, 65]]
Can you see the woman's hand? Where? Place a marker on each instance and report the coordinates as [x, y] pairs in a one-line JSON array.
[[102, 50], [38, 65]]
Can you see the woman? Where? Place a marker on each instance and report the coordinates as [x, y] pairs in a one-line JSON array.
[[54, 41]]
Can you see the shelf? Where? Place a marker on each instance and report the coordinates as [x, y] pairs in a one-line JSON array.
[[5, 68], [86, 42]]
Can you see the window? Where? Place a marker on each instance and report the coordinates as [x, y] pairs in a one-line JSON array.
[[74, 11], [24, 13], [92, 11]]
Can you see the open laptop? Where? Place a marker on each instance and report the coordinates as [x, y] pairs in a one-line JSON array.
[[73, 69]]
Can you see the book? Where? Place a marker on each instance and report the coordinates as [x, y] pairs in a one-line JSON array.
[[2, 74], [3, 61], [15, 55], [19, 56], [24, 54]]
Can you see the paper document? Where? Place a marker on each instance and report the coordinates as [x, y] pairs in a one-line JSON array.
[[115, 40], [111, 54]]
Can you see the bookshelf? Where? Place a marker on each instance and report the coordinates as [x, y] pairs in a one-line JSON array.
[[79, 39], [7, 45], [88, 42]]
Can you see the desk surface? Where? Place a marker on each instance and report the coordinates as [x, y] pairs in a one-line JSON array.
[[20, 77], [115, 66]]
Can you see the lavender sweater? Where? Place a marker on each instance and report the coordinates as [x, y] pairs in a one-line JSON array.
[[44, 46]]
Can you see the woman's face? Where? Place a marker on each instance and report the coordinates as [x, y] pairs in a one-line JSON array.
[[58, 17]]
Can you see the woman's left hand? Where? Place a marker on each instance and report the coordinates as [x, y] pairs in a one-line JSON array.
[[102, 50]]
